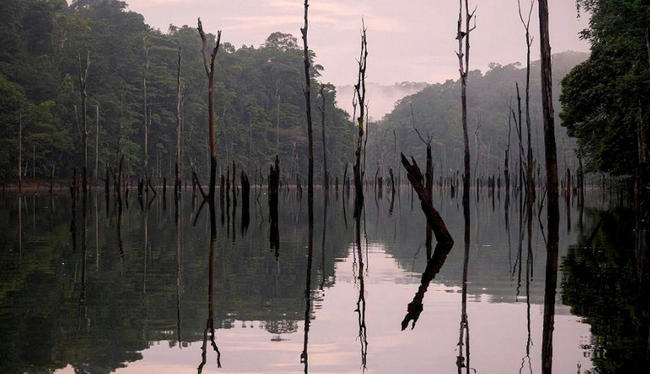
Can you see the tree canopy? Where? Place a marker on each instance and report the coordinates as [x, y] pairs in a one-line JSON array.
[[39, 69], [606, 99]]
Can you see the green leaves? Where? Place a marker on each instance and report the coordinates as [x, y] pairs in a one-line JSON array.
[[41, 40], [605, 100]]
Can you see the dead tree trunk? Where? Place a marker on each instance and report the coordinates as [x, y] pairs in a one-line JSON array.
[[83, 78], [20, 152], [307, 63], [436, 223], [433, 217], [506, 166], [97, 143], [530, 185], [360, 90], [551, 191], [326, 182], [463, 69], [234, 192], [274, 185], [209, 71], [52, 180], [145, 71], [245, 205], [519, 122], [178, 167]]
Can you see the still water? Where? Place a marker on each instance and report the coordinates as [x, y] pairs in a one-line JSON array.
[[132, 295]]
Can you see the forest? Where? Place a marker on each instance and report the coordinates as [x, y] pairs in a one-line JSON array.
[[260, 102], [492, 95]]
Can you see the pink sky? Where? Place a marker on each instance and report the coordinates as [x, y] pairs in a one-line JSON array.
[[408, 40]]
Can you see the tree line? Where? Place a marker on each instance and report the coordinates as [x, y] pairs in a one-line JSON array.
[[131, 99]]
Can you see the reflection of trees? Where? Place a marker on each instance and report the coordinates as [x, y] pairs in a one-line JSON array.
[[361, 300], [602, 282], [39, 293]]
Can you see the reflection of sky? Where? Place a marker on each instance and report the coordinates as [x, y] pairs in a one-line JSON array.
[[497, 332], [406, 43]]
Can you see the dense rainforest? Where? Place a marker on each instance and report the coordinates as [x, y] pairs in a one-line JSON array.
[[259, 95], [606, 99], [492, 99]]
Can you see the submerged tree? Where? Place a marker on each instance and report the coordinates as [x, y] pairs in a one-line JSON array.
[[310, 144], [208, 65], [530, 185], [551, 190], [463, 69], [145, 71], [178, 171], [321, 108], [360, 95]]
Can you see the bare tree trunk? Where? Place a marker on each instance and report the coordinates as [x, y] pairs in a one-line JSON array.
[[277, 125], [360, 89], [530, 187], [307, 63], [97, 143], [20, 152], [273, 187], [435, 222], [552, 190], [433, 217], [34, 163], [522, 176], [463, 63], [209, 71], [147, 47], [178, 167], [506, 166], [464, 72], [326, 182], [83, 78], [245, 196]]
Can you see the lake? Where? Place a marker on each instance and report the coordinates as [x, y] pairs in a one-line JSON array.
[[131, 294]]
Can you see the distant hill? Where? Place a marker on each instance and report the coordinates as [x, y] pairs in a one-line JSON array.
[[381, 97], [436, 110]]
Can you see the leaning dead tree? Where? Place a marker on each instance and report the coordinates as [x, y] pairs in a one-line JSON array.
[[428, 193], [208, 65], [551, 190], [360, 94], [463, 69], [83, 79], [434, 219], [436, 223]]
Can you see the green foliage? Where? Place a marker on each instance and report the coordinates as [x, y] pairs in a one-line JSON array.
[[436, 112], [43, 40], [606, 99]]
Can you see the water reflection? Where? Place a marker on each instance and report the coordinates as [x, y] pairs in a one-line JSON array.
[[608, 286], [92, 314]]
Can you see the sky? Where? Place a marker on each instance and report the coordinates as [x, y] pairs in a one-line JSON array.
[[410, 40]]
